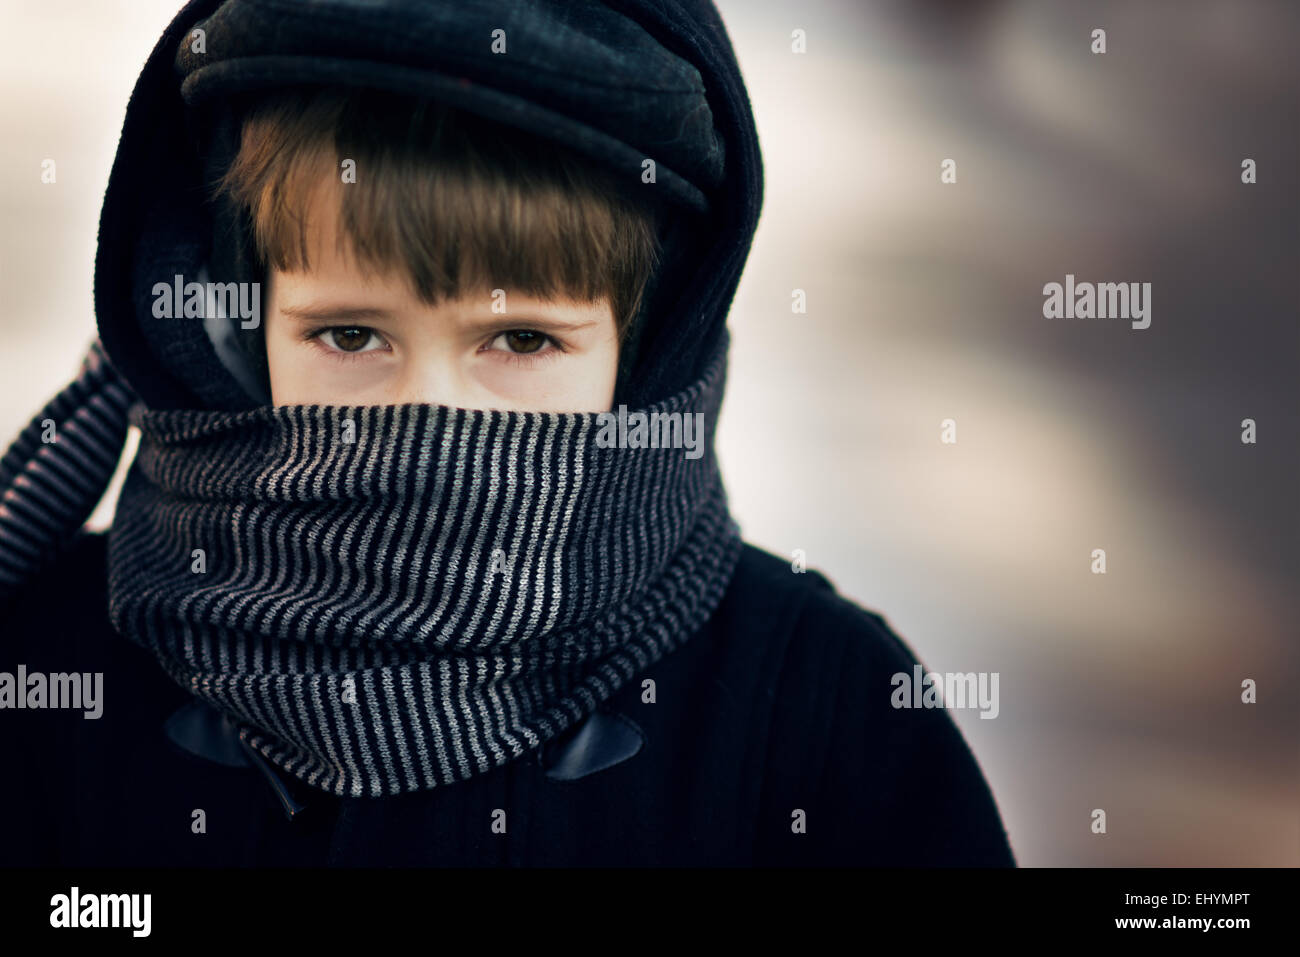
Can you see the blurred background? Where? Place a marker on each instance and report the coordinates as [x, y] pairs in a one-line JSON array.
[[924, 302]]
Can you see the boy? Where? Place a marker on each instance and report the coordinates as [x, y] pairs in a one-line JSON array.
[[389, 583]]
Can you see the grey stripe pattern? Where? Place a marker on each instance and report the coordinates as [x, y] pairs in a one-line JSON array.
[[55, 472], [388, 599]]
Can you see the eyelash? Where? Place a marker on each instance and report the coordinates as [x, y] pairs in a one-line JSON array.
[[526, 358]]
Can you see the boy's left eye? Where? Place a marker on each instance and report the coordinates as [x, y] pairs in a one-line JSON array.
[[522, 342]]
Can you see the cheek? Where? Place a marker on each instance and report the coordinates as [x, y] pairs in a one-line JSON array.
[[517, 382], [573, 383], [279, 352]]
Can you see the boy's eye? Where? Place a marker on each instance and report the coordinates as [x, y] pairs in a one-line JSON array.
[[346, 341], [522, 341], [349, 338]]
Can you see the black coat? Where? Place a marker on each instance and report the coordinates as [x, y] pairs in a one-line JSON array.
[[769, 737], [779, 705]]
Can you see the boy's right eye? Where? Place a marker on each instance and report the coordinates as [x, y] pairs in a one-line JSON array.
[[346, 340]]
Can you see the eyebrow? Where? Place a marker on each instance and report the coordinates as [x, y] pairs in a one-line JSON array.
[[322, 312], [318, 313]]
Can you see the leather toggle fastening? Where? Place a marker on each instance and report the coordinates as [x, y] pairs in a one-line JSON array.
[[207, 733], [204, 731], [600, 742]]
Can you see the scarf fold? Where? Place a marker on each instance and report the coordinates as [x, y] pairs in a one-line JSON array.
[[55, 472], [387, 599]]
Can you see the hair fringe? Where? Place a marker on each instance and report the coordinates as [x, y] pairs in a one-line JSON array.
[[458, 204]]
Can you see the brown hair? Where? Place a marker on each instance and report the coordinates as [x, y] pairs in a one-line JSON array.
[[458, 203]]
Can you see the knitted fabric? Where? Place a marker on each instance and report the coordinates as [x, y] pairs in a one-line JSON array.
[[395, 598]]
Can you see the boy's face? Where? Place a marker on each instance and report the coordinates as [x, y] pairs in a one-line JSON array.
[[336, 336]]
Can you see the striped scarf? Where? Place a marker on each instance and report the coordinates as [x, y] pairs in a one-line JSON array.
[[56, 470], [387, 599]]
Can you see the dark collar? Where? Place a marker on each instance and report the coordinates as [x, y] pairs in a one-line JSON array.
[[604, 739]]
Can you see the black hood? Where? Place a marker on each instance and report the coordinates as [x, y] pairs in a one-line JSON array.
[[618, 81]]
